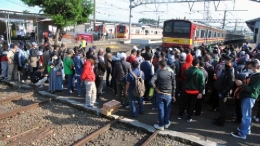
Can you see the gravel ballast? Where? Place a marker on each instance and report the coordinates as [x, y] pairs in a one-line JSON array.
[[120, 135], [165, 141], [68, 124]]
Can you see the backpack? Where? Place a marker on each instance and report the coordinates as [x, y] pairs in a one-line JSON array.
[[16, 57], [139, 88]]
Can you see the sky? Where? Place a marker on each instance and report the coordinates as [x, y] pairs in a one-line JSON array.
[[118, 10]]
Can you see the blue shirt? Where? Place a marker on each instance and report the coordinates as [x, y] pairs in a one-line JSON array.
[[22, 57], [147, 69], [130, 78], [78, 65]]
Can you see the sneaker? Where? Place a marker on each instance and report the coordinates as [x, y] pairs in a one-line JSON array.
[[89, 106], [249, 132], [179, 117], [189, 120], [237, 135], [96, 103], [127, 106], [156, 126], [256, 119], [22, 81], [79, 95], [167, 125], [153, 109], [40, 86]]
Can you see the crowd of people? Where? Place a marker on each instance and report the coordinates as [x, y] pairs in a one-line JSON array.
[[161, 76]]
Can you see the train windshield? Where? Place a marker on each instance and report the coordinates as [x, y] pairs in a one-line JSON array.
[[177, 28], [121, 29]]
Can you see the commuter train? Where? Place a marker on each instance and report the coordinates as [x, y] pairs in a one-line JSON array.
[[138, 32], [190, 34]]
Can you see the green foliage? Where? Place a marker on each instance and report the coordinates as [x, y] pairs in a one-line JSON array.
[[148, 21], [64, 12]]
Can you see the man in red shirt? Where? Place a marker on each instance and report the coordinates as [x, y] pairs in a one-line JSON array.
[[132, 57], [88, 76]]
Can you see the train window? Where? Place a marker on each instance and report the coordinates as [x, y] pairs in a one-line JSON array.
[[215, 34], [197, 35], [181, 27], [155, 32], [122, 29], [151, 31], [168, 26], [146, 32], [137, 31], [202, 34], [209, 33]]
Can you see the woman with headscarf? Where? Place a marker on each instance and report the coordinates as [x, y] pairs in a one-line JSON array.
[[55, 80]]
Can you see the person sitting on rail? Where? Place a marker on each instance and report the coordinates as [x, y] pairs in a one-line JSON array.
[[39, 78]]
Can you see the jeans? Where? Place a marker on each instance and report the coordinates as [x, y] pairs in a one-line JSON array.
[[41, 82], [246, 105], [79, 84], [164, 108], [12, 71], [120, 86], [4, 67], [109, 73], [132, 103], [70, 83], [154, 103], [91, 93]]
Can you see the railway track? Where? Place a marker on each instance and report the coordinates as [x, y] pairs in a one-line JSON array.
[[35, 120]]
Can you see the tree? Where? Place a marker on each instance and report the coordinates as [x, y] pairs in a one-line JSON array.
[[148, 21], [26, 11], [64, 12]]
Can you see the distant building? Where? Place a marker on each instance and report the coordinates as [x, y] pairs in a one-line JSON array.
[[254, 26]]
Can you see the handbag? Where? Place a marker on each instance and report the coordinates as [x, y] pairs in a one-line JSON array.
[[58, 73]]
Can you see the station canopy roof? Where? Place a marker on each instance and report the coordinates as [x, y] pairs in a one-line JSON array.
[[16, 15], [251, 23]]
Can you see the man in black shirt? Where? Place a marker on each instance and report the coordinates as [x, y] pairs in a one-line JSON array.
[[39, 78]]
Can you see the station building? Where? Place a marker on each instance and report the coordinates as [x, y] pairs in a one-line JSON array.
[[254, 26]]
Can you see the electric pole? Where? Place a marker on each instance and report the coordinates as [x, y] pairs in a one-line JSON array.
[[130, 20], [224, 20], [94, 17]]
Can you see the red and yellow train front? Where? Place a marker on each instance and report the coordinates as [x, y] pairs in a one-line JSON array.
[[178, 33], [121, 31]]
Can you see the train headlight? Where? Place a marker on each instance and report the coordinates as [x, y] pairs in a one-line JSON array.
[[165, 40]]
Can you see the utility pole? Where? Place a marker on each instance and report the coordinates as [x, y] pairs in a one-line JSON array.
[[224, 20], [130, 20], [236, 26], [158, 22], [94, 17]]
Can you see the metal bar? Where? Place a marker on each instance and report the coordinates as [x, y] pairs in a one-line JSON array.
[[13, 137], [28, 137], [151, 138], [22, 109], [43, 135], [95, 134]]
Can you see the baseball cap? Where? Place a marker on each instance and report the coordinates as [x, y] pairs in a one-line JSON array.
[[122, 55], [91, 49], [170, 49], [135, 48], [71, 51], [242, 53], [33, 43]]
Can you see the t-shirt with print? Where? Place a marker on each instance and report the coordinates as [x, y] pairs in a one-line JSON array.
[[68, 62], [131, 79]]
